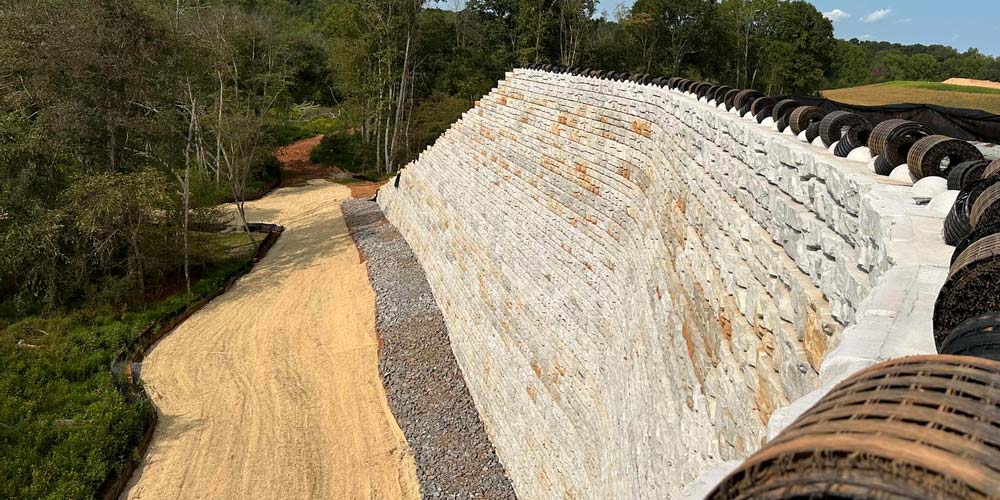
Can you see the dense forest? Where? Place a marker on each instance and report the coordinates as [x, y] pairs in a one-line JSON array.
[[184, 101], [125, 124]]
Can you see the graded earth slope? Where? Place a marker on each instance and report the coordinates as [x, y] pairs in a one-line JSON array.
[[273, 389]]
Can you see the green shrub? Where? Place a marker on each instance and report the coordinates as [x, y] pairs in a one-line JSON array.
[[342, 150], [291, 132], [64, 425]]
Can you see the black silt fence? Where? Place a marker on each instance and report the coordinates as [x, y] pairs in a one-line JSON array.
[[965, 124]]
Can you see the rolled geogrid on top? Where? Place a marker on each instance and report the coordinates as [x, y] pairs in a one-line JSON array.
[[957, 223], [977, 336], [720, 93], [891, 140], [833, 125], [782, 111], [985, 209], [926, 157], [745, 98], [854, 137], [702, 89], [965, 173], [972, 287], [812, 132], [731, 98], [803, 116], [917, 427], [761, 108]]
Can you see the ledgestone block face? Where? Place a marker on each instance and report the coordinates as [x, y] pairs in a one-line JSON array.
[[635, 282]]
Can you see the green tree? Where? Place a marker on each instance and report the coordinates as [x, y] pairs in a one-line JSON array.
[[924, 67], [575, 26], [747, 26], [891, 65], [677, 28], [851, 65]]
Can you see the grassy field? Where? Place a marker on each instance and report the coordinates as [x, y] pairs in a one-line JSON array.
[[942, 94]]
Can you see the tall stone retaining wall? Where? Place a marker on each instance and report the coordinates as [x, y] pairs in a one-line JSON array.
[[637, 283]]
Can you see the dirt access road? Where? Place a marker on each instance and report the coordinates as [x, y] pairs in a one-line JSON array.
[[297, 168], [273, 389]]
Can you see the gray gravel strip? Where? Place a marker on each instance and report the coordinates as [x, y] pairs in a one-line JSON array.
[[426, 391]]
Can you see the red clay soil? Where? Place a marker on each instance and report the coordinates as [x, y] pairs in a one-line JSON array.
[[296, 165], [364, 189], [297, 169]]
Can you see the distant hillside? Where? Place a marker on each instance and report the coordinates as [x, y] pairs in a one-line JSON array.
[[942, 94]]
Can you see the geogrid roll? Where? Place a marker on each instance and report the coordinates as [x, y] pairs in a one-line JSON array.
[[985, 209], [993, 169], [782, 123], [803, 116], [812, 132], [782, 111], [972, 237], [971, 289], [917, 427], [844, 148], [978, 336], [762, 107], [730, 98], [833, 125], [891, 140], [855, 137], [957, 224], [702, 90], [926, 157], [745, 98], [720, 93], [966, 173]]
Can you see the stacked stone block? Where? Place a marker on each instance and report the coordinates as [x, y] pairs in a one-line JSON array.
[[635, 282]]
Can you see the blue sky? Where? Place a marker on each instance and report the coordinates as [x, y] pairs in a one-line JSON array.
[[958, 23]]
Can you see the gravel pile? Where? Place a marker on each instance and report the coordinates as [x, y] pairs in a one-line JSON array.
[[427, 393]]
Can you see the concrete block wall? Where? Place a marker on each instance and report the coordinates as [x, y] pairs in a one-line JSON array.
[[637, 284]]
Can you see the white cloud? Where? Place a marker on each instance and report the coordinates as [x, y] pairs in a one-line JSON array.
[[878, 15], [836, 15], [865, 37]]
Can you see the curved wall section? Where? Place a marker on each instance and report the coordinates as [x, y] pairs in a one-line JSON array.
[[636, 282]]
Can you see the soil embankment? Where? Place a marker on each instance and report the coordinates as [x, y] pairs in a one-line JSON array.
[[273, 389], [973, 83]]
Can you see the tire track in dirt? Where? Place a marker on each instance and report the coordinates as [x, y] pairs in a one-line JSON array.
[[272, 390]]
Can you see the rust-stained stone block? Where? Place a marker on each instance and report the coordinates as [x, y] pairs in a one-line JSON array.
[[635, 281]]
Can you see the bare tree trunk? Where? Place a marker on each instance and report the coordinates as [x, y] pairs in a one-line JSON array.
[[400, 101], [186, 190], [218, 139], [409, 117], [538, 33]]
